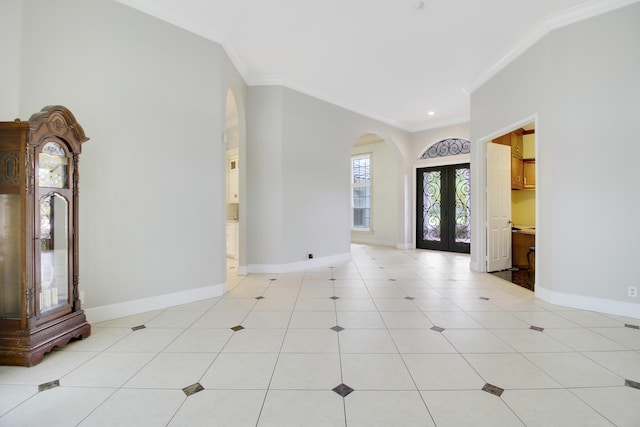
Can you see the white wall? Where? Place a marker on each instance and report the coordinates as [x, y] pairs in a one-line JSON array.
[[10, 43], [150, 96], [581, 83], [385, 175]]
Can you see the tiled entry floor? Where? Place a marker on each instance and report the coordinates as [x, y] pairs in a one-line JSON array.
[[422, 341]]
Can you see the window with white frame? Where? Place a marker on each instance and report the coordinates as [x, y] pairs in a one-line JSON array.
[[361, 192]]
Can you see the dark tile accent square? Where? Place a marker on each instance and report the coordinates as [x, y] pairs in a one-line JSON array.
[[437, 329], [484, 298], [495, 390], [343, 390], [49, 385], [260, 297], [537, 328], [273, 280], [237, 328], [192, 389], [409, 298], [137, 328], [337, 328], [392, 280], [632, 384], [631, 326], [333, 279], [382, 268], [334, 297]]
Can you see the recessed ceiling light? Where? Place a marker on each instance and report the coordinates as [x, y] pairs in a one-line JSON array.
[[431, 113]]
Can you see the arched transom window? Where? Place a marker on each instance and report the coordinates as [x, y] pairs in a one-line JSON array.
[[447, 147]]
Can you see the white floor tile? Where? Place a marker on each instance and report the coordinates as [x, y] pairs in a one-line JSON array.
[[255, 341], [147, 340], [581, 339], [240, 371], [174, 319], [375, 372], [313, 320], [101, 339], [220, 319], [618, 404], [476, 341], [575, 370], [421, 341], [561, 408], [468, 408], [172, 370], [136, 408], [13, 395], [360, 320], [200, 341], [510, 371], [452, 320], [306, 372], [386, 408], [310, 341], [284, 408], [405, 320], [61, 406], [442, 372], [624, 363], [54, 366], [528, 340], [499, 320], [107, 370], [267, 320], [366, 341], [237, 408], [627, 337]]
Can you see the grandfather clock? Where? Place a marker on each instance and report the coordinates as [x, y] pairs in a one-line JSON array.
[[39, 297]]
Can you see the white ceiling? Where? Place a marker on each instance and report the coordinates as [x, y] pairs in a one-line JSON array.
[[381, 58]]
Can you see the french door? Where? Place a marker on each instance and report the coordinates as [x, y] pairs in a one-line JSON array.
[[444, 208]]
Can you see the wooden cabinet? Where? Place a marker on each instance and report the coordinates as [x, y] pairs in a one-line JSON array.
[[529, 174], [517, 172], [39, 296], [516, 143], [521, 242]]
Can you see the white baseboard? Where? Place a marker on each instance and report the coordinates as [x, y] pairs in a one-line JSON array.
[[619, 308], [128, 308], [405, 246], [298, 266]]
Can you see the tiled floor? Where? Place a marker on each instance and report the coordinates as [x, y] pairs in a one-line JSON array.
[[425, 342]]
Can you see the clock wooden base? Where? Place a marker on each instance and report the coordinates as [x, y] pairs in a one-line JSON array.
[[27, 348]]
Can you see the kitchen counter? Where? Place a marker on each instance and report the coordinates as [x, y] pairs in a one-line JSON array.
[[524, 229]]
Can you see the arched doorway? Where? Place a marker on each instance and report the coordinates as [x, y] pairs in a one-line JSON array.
[[377, 191], [232, 172]]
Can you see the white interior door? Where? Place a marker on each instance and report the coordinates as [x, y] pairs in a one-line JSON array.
[[498, 207]]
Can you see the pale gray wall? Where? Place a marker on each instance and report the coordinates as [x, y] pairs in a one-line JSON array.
[[150, 96], [10, 43], [298, 151], [582, 82]]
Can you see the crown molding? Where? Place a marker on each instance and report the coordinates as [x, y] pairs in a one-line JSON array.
[[553, 22]]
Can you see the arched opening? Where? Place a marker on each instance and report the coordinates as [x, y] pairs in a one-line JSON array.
[[232, 136], [377, 191]]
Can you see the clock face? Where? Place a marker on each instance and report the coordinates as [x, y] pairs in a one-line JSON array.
[[53, 166]]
